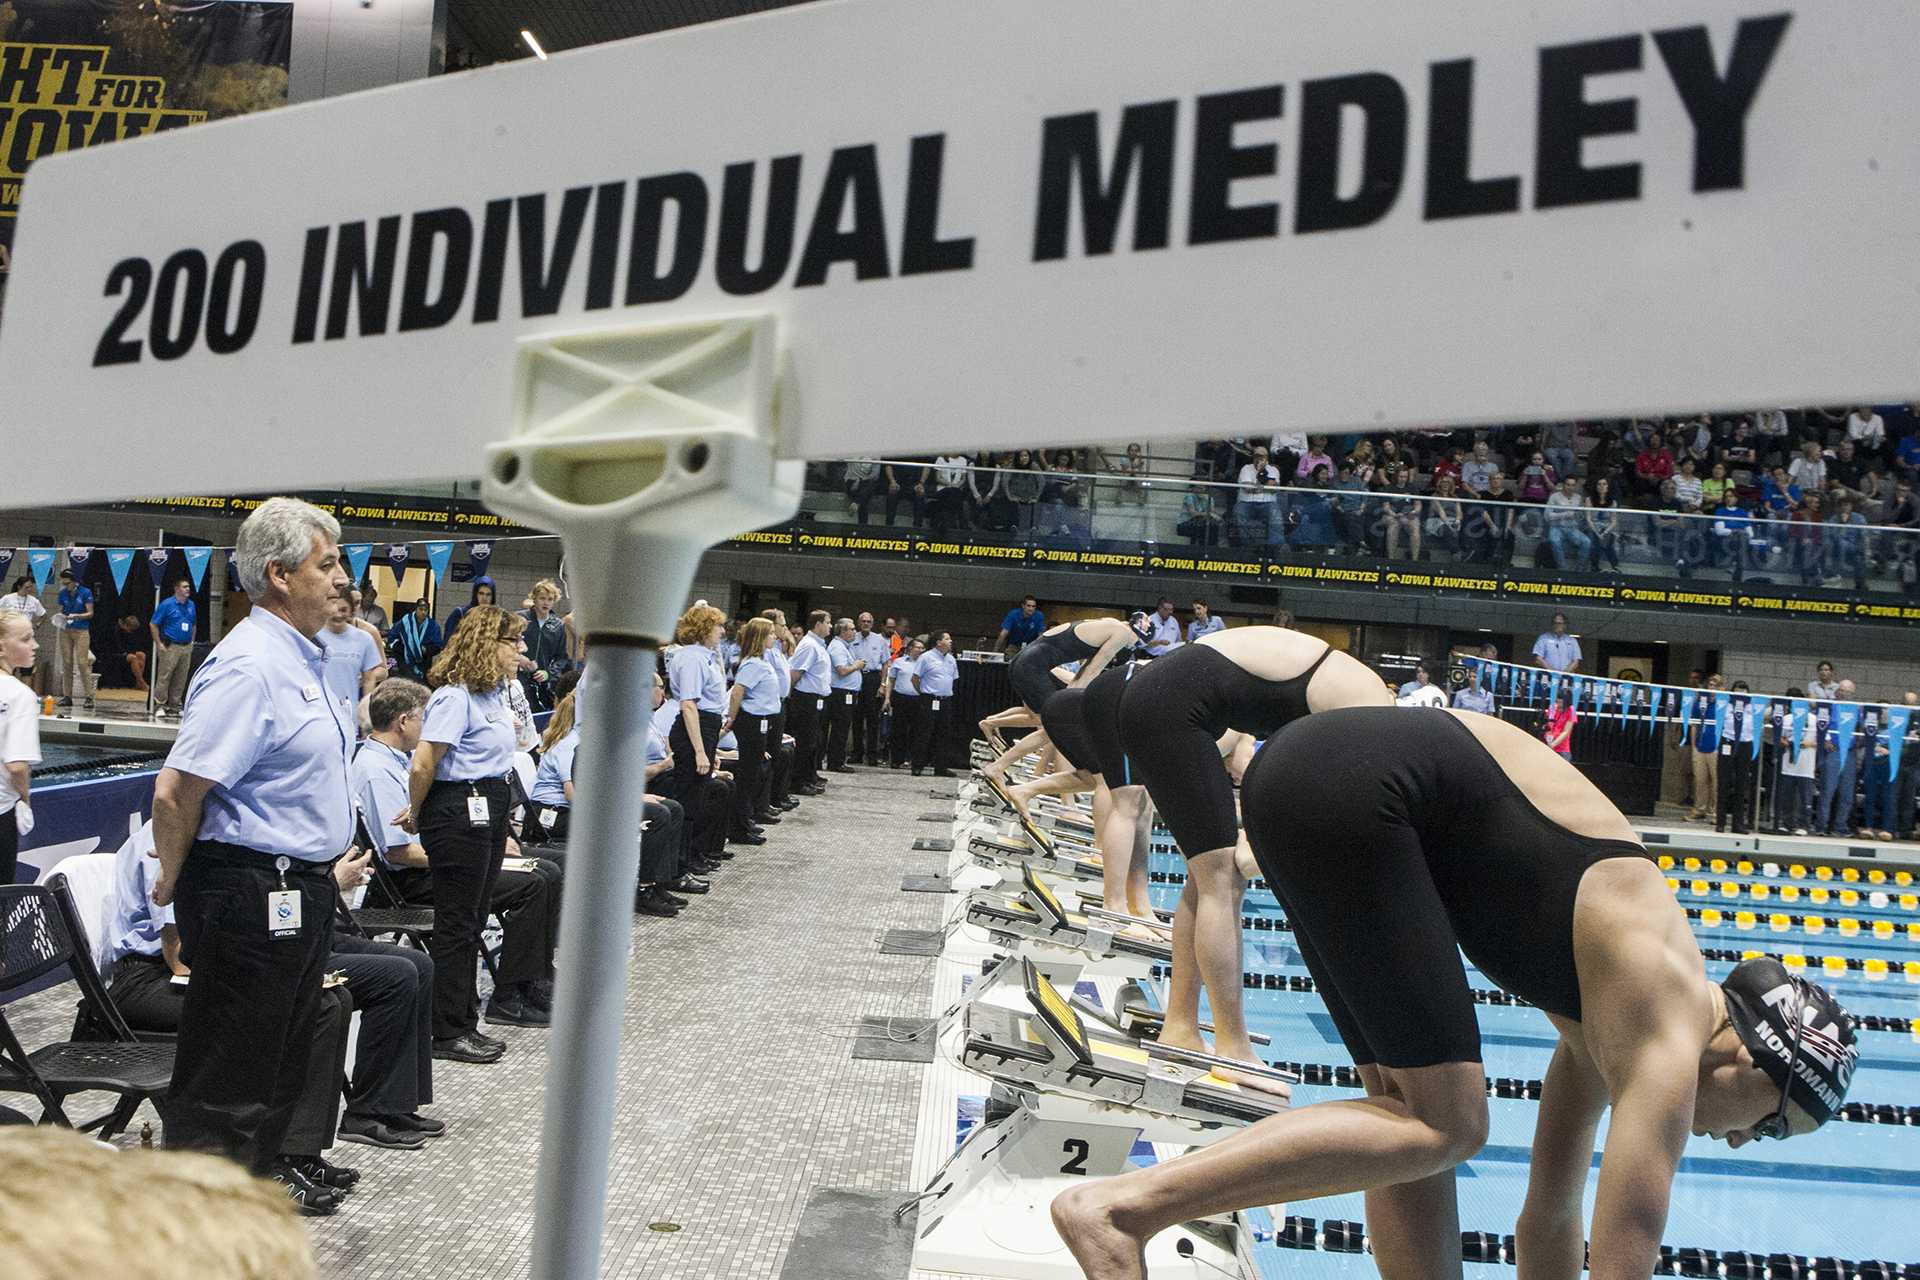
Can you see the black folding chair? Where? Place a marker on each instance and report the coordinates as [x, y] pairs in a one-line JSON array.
[[43, 934], [396, 918]]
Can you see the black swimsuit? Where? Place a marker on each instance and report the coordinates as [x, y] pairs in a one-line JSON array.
[[1171, 720], [1101, 712], [1032, 671], [1064, 719], [1395, 841]]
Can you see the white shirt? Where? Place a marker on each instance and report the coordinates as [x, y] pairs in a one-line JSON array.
[[19, 734], [1254, 490], [1870, 431], [1164, 634], [949, 472], [23, 602], [1809, 473], [1426, 695]]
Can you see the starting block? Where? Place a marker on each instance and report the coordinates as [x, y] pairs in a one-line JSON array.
[[1036, 926], [1078, 1107], [1007, 857]]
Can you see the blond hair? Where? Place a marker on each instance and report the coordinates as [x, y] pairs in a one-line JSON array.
[[545, 586], [756, 636], [472, 656], [70, 1206], [697, 623], [559, 725], [10, 618]]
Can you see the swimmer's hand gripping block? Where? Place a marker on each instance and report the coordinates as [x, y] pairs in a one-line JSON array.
[[642, 446]]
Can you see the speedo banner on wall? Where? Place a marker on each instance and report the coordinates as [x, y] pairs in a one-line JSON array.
[[82, 73]]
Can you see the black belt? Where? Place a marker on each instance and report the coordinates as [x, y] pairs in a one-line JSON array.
[[238, 855]]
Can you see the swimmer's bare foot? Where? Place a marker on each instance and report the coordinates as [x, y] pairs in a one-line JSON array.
[[1141, 933], [1248, 1080], [1103, 1250]]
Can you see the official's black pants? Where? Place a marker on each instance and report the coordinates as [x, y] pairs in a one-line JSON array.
[[840, 706], [247, 1022], [932, 720], [528, 904], [751, 778], [685, 767], [663, 843], [866, 719], [463, 862], [803, 722], [393, 990], [906, 723], [9, 847], [1737, 772], [781, 782]]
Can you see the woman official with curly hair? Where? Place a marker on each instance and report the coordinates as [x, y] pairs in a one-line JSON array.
[[459, 799], [697, 683]]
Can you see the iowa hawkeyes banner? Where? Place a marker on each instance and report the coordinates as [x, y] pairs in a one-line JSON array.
[[80, 73]]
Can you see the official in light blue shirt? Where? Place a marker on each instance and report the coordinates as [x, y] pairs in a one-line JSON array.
[[261, 725], [760, 685], [903, 669], [176, 619], [815, 668], [1556, 650], [477, 729], [380, 790], [1204, 623], [664, 717], [694, 675], [777, 659], [873, 647], [351, 654], [840, 654], [1163, 630], [555, 772], [936, 670], [134, 929]]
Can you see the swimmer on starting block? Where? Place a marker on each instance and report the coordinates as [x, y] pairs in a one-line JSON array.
[[1035, 677], [1398, 839], [1175, 719]]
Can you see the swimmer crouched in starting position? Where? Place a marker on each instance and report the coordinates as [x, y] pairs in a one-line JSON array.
[[1396, 839]]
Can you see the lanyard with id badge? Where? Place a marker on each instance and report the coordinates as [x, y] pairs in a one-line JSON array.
[[283, 904], [479, 812]]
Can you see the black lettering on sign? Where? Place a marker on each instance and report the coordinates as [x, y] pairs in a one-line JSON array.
[[853, 176], [603, 250], [493, 261], [647, 280], [1452, 190], [231, 320], [1718, 107], [736, 216], [922, 251], [423, 304], [1212, 217], [1070, 158], [1076, 1150], [313, 269], [1324, 110], [362, 283], [1567, 120], [134, 277], [543, 277]]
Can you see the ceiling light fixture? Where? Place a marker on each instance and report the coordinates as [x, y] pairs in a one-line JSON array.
[[533, 44]]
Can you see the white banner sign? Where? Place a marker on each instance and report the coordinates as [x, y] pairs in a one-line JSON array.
[[989, 223]]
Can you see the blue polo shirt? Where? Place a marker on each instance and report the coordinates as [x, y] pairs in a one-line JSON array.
[[176, 620], [477, 729], [350, 655], [839, 655], [694, 675], [1197, 629], [903, 669], [134, 929], [76, 600], [260, 724], [1021, 629], [556, 770], [1556, 653], [380, 790], [760, 685], [937, 672], [810, 660]]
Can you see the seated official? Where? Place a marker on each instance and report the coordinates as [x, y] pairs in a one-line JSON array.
[[708, 797], [148, 986], [527, 902], [665, 868]]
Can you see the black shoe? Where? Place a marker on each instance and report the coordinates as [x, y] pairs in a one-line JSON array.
[[673, 900], [872, 762], [767, 818], [718, 855], [375, 1132], [700, 867], [810, 789], [788, 805], [838, 768], [748, 838], [331, 1177], [465, 1049], [690, 884], [414, 1122], [309, 1199], [487, 1041], [539, 994], [918, 772], [649, 903], [942, 773], [507, 1011]]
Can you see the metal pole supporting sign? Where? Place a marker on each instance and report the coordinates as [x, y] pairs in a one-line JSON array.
[[641, 446]]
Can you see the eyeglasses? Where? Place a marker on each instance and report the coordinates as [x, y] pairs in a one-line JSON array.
[[1776, 1125]]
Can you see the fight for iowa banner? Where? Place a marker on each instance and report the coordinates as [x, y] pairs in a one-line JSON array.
[[82, 73]]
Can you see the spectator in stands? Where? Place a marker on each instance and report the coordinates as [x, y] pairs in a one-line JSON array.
[[76, 641], [1652, 467], [1715, 488], [1312, 512], [1688, 487], [1866, 430], [987, 491], [1602, 523], [1847, 545], [1163, 630], [1809, 470], [354, 665], [1445, 522], [415, 641], [907, 482], [1259, 492], [948, 508], [1204, 623], [1846, 470], [483, 592], [1401, 513], [1061, 496], [1558, 442], [1475, 694], [1022, 625], [1490, 524], [1315, 457], [1906, 456], [239, 815], [369, 610], [1771, 430], [1451, 460], [1350, 509], [1737, 452], [1537, 479], [1560, 721], [1023, 491], [1781, 494], [1836, 773], [1824, 685], [19, 738], [172, 626], [1806, 535], [1556, 649], [1566, 531], [860, 479], [1200, 522], [1793, 807], [1897, 549], [1362, 463], [1477, 472], [1730, 530], [1132, 467]]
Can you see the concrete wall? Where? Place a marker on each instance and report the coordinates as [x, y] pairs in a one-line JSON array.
[[344, 46]]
